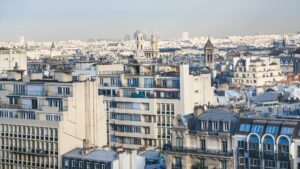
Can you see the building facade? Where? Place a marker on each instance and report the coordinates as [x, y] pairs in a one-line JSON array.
[[203, 140], [43, 118], [144, 99], [252, 71], [10, 58], [267, 143]]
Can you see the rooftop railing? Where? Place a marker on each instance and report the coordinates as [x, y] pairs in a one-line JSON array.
[[200, 151]]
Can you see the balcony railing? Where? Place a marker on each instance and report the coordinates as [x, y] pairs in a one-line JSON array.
[[284, 156], [199, 151], [269, 154], [40, 93]]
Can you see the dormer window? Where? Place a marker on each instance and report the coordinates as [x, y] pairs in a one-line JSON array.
[[215, 125], [225, 126], [204, 125]]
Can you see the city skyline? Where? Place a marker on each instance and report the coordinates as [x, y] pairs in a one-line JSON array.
[[54, 20]]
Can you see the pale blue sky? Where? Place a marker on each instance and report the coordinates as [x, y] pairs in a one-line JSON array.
[[84, 19]]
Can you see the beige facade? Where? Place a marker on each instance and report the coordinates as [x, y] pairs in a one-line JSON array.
[[144, 100], [10, 58], [202, 141], [42, 119], [257, 71]]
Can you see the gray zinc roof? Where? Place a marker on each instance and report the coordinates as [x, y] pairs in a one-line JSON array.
[[97, 155]]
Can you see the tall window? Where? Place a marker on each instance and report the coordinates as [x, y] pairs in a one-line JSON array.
[[204, 125], [203, 144], [298, 151], [34, 104], [224, 146], [179, 142], [178, 162], [215, 125], [223, 164], [225, 126]]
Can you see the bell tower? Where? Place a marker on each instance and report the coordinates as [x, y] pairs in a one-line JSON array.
[[139, 41], [209, 54]]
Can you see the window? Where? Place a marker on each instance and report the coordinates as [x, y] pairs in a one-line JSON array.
[[287, 131], [66, 164], [254, 162], [80, 165], [73, 164], [284, 165], [88, 165], [103, 166], [179, 142], [224, 146], [204, 125], [97, 166], [241, 144], [147, 130], [34, 104], [272, 130], [203, 144], [245, 127], [298, 151], [270, 163], [178, 162], [223, 164], [257, 129], [215, 125], [225, 126]]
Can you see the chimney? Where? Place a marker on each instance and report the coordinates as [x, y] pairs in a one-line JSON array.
[[86, 148], [198, 110]]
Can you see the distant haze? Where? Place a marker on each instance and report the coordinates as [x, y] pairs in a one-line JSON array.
[[84, 19]]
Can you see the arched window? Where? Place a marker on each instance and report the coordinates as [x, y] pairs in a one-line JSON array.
[[283, 145], [253, 142], [268, 144]]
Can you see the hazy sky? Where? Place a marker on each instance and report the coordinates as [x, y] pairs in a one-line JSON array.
[[84, 19]]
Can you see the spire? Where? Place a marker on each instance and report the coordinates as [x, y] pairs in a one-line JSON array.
[[208, 44]]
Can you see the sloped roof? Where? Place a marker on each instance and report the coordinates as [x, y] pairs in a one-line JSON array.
[[266, 97], [209, 45]]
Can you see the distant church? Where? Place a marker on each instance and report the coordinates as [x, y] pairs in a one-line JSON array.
[[209, 54], [149, 54]]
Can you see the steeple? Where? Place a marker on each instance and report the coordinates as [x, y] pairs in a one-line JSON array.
[[51, 49], [139, 41], [209, 57], [209, 45], [154, 42]]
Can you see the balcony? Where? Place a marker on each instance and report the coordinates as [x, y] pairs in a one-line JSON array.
[[198, 151], [39, 93], [28, 151], [269, 155], [254, 154], [283, 156], [10, 106]]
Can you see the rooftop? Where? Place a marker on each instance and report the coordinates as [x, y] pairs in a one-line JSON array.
[[97, 155]]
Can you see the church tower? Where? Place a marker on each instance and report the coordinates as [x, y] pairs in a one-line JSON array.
[[209, 54], [154, 42], [139, 41]]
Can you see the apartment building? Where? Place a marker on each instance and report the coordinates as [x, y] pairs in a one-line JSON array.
[[203, 140], [257, 71], [9, 58], [102, 159], [143, 100], [43, 118], [267, 143]]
